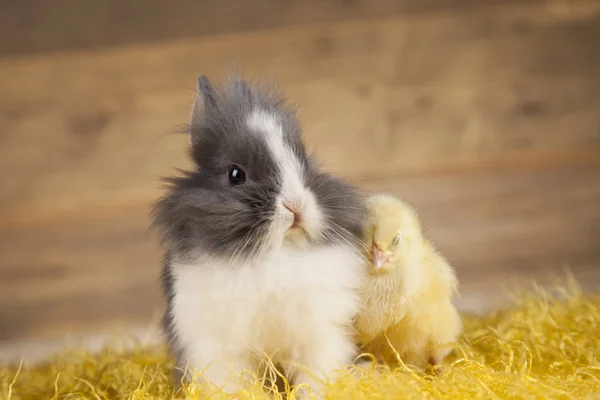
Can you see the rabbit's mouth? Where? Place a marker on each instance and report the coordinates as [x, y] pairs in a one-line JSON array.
[[297, 229], [297, 236]]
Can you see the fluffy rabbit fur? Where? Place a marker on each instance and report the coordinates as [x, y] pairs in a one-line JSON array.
[[261, 245]]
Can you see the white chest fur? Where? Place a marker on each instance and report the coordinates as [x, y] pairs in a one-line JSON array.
[[295, 305]]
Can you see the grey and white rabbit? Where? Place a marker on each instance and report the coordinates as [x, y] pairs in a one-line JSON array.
[[262, 248]]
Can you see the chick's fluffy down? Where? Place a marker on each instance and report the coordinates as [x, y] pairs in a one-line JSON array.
[[408, 308]]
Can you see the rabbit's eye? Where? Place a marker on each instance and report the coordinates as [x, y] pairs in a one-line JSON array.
[[236, 175]]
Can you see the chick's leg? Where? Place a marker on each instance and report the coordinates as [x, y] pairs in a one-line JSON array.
[[445, 331]]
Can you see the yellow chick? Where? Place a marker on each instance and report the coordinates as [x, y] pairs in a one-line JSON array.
[[407, 296]]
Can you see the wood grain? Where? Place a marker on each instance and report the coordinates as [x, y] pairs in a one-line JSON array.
[[386, 96], [35, 26], [99, 269], [92, 272]]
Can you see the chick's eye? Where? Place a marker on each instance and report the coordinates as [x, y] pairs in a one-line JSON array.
[[236, 175], [397, 239]]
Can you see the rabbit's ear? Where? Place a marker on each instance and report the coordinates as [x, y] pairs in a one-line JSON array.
[[242, 89], [206, 100]]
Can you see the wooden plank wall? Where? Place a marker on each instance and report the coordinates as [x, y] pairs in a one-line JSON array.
[[485, 116]]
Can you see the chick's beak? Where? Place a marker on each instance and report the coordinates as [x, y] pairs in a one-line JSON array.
[[378, 258]]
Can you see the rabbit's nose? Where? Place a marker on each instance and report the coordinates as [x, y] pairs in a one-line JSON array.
[[295, 210]]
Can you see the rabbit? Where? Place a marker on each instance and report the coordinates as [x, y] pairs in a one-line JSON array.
[[262, 248]]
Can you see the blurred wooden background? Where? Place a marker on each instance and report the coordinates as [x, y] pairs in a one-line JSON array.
[[485, 114]]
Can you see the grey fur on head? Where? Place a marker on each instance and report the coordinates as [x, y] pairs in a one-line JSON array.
[[202, 213]]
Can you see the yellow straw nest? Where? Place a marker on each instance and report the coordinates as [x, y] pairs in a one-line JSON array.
[[546, 346]]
